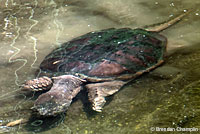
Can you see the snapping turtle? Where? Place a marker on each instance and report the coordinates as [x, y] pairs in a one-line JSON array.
[[101, 61]]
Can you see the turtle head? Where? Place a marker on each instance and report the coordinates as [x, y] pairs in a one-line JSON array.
[[59, 97], [51, 103]]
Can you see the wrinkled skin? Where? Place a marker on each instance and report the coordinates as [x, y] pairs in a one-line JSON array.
[[58, 99]]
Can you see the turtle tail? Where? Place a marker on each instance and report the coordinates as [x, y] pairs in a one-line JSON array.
[[162, 26]]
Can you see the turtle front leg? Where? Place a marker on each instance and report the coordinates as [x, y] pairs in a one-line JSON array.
[[59, 97], [98, 91], [38, 84]]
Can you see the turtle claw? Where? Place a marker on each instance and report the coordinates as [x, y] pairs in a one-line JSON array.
[[98, 104], [39, 84], [98, 91]]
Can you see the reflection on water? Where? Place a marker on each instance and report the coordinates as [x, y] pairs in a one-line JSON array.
[[166, 97]]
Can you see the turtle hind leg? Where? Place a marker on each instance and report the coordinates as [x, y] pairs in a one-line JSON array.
[[98, 91], [39, 84]]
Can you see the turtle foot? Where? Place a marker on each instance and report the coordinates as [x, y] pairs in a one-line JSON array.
[[98, 91], [39, 84]]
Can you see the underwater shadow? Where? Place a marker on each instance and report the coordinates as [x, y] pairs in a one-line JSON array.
[[87, 107], [40, 124]]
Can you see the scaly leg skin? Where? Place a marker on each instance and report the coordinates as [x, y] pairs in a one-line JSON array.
[[59, 97], [38, 84], [98, 91]]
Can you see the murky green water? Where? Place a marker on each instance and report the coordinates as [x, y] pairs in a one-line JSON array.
[[167, 97]]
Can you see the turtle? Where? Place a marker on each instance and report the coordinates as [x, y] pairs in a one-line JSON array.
[[101, 62]]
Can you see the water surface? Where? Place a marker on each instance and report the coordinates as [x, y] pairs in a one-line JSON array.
[[166, 97]]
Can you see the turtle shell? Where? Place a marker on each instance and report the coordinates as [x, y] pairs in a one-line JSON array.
[[107, 53]]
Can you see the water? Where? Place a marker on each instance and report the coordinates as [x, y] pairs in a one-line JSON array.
[[166, 97]]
